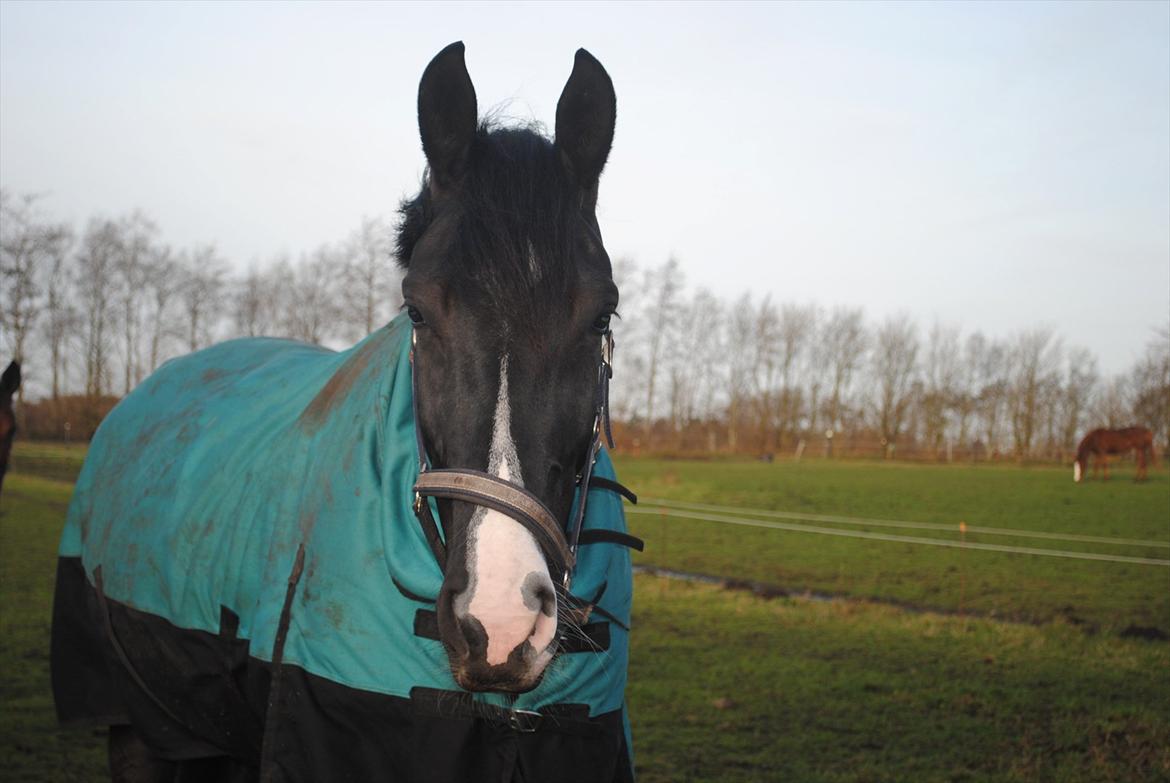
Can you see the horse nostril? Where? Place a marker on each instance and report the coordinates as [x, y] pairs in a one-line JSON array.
[[474, 635], [538, 594]]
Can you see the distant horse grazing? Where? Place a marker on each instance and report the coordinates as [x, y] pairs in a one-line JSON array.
[[9, 383], [404, 561], [1102, 442]]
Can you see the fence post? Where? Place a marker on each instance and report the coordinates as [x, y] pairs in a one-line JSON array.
[[962, 567]]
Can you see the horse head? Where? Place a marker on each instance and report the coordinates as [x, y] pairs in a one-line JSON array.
[[9, 383], [510, 291]]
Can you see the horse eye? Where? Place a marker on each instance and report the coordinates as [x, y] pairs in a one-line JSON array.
[[601, 325], [416, 317]]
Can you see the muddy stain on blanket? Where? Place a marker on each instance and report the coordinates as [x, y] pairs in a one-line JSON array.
[[333, 393]]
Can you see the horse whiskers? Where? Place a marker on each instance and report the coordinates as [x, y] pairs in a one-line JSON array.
[[451, 696], [570, 630]]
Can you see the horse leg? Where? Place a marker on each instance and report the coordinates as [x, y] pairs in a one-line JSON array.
[[131, 760]]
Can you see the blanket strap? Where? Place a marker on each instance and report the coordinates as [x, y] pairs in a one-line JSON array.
[[600, 482], [605, 536], [560, 718], [121, 652], [268, 768]]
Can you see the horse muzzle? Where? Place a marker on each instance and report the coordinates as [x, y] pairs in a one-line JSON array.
[[498, 609]]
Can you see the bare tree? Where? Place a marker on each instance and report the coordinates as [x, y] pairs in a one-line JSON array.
[[62, 319], [893, 363], [254, 302], [815, 369], [163, 280], [940, 376], [1035, 358], [844, 340], [765, 369], [29, 246], [1049, 401], [795, 329], [740, 334], [204, 276], [664, 286], [694, 360], [1113, 404], [312, 308], [94, 283], [369, 278], [130, 269], [992, 398], [1079, 381], [965, 402], [1151, 382]]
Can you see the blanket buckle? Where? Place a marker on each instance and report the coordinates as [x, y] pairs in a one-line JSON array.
[[524, 721]]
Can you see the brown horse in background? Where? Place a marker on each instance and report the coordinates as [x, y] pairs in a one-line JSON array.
[[1102, 442], [9, 383]]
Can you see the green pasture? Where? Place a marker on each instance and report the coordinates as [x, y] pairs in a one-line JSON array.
[[32, 747], [1102, 596], [729, 686], [59, 461]]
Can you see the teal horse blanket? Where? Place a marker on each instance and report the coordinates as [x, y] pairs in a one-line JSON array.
[[202, 488]]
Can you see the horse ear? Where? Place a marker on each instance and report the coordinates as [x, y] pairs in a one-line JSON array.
[[586, 113], [446, 116], [10, 381]]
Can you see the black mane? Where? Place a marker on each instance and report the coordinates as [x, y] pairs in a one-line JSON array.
[[517, 204]]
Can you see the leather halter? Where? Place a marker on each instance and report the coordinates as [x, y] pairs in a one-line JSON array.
[[483, 489]]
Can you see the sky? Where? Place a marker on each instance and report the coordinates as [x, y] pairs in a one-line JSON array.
[[993, 166]]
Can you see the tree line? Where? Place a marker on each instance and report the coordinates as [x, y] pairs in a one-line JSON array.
[[696, 373], [93, 310]]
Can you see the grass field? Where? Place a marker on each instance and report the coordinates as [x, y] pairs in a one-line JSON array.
[[728, 686], [58, 461], [1105, 596], [32, 748], [731, 687]]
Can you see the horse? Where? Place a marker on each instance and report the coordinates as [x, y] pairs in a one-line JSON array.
[[9, 383], [1101, 442], [406, 560]]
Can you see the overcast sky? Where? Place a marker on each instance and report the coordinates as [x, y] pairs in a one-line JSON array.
[[995, 165]]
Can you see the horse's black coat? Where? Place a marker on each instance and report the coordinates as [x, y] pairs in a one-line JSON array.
[[9, 383], [505, 263]]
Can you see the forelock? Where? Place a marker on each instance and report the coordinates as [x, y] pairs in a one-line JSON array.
[[519, 215]]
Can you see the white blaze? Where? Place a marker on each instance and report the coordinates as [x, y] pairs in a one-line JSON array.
[[501, 554], [1077, 471]]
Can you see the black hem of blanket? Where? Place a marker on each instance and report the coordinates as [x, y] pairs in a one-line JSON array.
[[208, 696]]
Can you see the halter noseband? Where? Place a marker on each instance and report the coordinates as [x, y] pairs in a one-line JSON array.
[[483, 489]]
